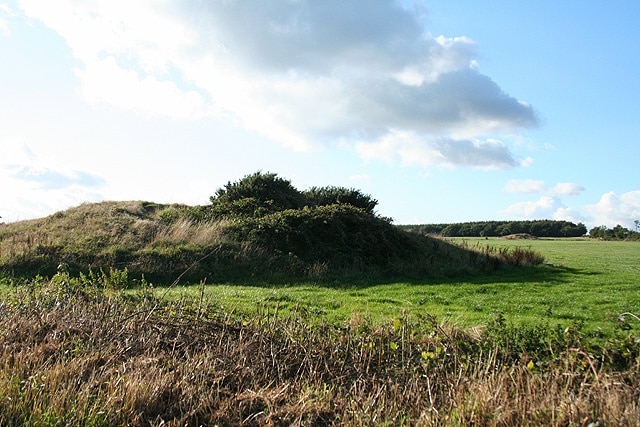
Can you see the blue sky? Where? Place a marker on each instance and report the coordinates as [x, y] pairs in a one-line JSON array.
[[444, 111]]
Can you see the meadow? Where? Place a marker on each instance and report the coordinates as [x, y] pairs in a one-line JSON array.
[[584, 282], [274, 307], [554, 345]]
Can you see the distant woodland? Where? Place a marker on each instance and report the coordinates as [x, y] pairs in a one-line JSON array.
[[538, 228]]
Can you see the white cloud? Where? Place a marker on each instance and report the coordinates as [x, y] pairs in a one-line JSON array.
[[31, 184], [6, 12], [448, 55], [568, 214], [103, 81], [532, 186], [143, 31], [566, 189], [421, 150], [305, 74], [545, 207], [38, 202], [613, 209], [47, 179], [549, 205]]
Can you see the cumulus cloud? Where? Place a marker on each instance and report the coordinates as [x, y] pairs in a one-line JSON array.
[[30, 184], [6, 13], [549, 205], [306, 74], [18, 162], [569, 214], [103, 81], [47, 179], [415, 150], [532, 186], [613, 209], [545, 207], [566, 189]]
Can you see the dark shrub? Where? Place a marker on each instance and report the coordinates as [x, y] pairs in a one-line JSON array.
[[323, 196], [339, 234], [256, 195]]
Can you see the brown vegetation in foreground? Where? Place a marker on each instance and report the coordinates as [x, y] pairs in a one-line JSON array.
[[75, 354]]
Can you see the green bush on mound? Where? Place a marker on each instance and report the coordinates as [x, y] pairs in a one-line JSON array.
[[339, 234]]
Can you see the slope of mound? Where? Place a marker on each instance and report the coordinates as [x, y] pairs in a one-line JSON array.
[[86, 229], [259, 228], [160, 242]]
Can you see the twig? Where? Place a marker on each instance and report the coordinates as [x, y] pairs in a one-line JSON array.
[[630, 314]]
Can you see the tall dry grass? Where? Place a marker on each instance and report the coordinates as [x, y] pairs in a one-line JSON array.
[[73, 354], [186, 231], [487, 255]]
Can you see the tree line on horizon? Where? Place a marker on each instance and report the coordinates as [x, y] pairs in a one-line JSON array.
[[616, 233], [538, 228]]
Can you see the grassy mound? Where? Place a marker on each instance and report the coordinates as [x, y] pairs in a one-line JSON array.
[[259, 228]]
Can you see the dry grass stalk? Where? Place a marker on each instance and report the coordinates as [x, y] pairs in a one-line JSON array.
[[186, 231]]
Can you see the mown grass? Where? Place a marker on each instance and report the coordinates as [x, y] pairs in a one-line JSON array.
[[77, 351]]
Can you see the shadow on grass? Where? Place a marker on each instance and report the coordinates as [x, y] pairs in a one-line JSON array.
[[522, 275], [519, 275], [432, 262], [352, 279]]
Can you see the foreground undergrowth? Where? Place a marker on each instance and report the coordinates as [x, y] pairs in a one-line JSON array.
[[77, 351]]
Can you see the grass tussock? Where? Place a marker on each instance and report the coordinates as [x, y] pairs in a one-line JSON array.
[[77, 352], [187, 231]]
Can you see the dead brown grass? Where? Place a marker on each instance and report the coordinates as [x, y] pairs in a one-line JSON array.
[[88, 228], [72, 355], [185, 231]]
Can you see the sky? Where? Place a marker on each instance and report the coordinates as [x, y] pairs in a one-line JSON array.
[[444, 111]]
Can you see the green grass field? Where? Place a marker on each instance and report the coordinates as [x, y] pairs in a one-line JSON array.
[[584, 281], [83, 351]]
